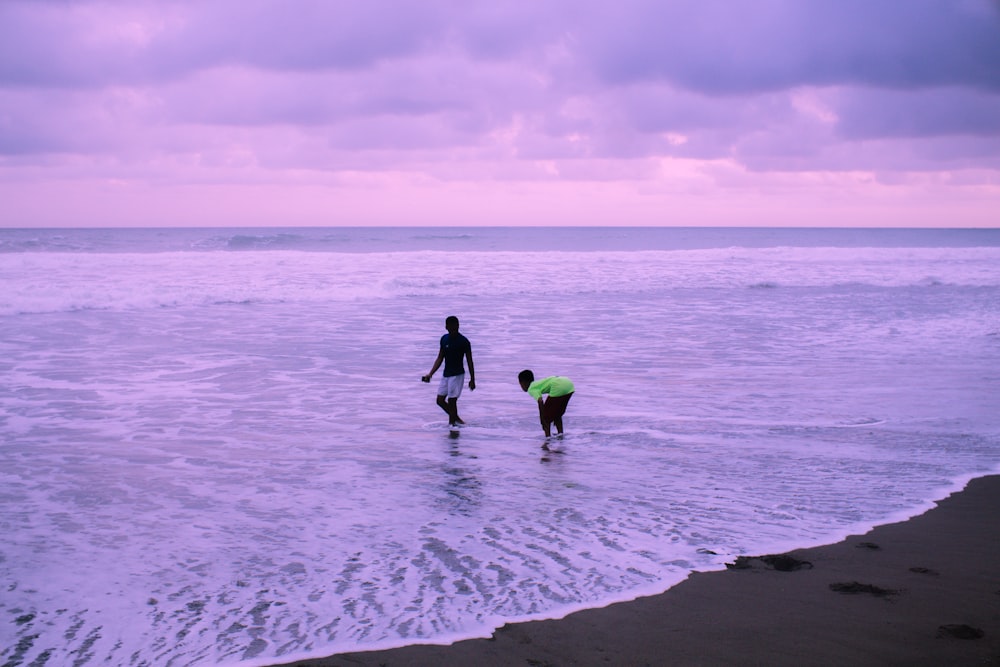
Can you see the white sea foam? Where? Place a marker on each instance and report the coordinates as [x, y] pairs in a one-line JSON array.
[[57, 282], [228, 457]]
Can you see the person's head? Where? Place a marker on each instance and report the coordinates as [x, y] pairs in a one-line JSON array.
[[525, 378], [451, 324]]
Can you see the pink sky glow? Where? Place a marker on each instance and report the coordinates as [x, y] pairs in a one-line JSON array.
[[555, 112]]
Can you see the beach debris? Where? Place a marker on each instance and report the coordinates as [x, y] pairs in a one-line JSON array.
[[868, 545], [960, 631], [785, 563], [925, 570], [781, 563], [856, 587], [516, 632]]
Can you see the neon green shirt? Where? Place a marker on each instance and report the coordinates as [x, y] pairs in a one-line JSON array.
[[553, 386]]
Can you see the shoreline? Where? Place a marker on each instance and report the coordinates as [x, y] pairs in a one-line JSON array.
[[925, 591]]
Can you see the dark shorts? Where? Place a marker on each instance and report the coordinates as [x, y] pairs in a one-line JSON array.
[[555, 407]]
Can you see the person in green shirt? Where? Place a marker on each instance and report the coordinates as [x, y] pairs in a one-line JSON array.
[[550, 411]]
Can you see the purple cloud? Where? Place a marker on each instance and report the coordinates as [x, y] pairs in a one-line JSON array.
[[720, 47], [84, 44], [633, 91], [867, 113]]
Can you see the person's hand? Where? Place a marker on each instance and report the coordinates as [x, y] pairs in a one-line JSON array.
[[425, 378], [472, 385]]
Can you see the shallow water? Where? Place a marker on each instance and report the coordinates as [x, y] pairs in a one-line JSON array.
[[212, 456]]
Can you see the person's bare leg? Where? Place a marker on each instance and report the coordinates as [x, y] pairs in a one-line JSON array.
[[453, 411], [558, 422], [547, 428], [546, 425]]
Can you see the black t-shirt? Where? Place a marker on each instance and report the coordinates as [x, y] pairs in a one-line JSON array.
[[454, 347]]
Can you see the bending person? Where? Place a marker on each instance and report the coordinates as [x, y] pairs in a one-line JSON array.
[[559, 390]]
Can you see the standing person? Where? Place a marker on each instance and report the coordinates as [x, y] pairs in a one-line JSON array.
[[455, 349], [550, 411]]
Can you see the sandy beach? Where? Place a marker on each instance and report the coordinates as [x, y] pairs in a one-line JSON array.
[[921, 592]]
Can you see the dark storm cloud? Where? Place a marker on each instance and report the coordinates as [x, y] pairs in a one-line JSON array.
[[723, 47], [767, 83], [868, 113], [70, 45]]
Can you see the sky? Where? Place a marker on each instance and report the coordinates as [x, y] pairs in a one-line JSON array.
[[536, 112]]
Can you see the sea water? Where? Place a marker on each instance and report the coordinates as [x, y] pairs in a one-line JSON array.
[[215, 447]]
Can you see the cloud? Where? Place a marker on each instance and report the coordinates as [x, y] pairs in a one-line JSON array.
[[644, 93], [728, 48], [309, 35], [937, 112], [101, 44]]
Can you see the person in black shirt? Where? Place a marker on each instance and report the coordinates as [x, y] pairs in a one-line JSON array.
[[455, 349]]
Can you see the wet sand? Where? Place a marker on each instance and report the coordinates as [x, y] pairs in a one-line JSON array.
[[922, 592]]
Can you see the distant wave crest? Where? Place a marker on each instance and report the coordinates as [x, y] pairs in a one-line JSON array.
[[58, 282]]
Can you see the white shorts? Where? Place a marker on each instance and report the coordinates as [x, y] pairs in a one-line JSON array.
[[451, 386]]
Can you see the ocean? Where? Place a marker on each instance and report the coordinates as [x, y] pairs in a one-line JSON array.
[[215, 447]]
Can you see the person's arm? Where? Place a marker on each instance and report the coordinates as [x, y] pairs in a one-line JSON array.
[[541, 404], [437, 365], [472, 369], [538, 389]]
